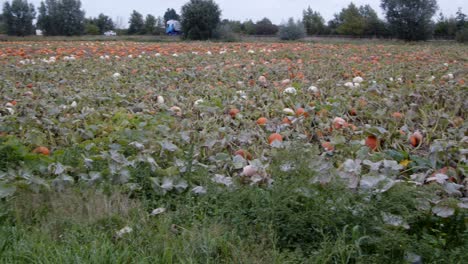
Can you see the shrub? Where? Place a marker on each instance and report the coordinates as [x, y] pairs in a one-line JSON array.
[[91, 29], [292, 30], [225, 33], [462, 35]]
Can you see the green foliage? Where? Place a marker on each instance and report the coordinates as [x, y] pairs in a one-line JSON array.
[[352, 23], [170, 14], [104, 23], [91, 29], [225, 33], [248, 27], [313, 22], [3, 29], [18, 17], [137, 25], [61, 18], [265, 27], [292, 30], [445, 27], [410, 19], [373, 25], [200, 18], [150, 24], [462, 35], [461, 19], [235, 26], [292, 221], [11, 154]]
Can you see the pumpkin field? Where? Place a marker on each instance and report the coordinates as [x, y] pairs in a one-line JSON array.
[[200, 152]]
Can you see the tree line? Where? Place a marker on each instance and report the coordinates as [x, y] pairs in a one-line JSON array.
[[404, 19]]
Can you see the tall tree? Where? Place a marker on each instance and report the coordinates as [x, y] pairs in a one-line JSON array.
[[200, 19], [461, 19], [160, 26], [445, 27], [150, 25], [137, 24], [61, 17], [170, 14], [248, 27], [410, 19], [373, 25], [18, 18], [352, 22], [313, 22], [104, 23], [2, 24]]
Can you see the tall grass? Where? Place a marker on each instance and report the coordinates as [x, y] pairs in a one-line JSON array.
[[293, 221]]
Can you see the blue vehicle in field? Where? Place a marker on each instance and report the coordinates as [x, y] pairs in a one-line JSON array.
[[173, 28]]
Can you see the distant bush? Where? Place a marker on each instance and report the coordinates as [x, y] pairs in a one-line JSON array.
[[462, 35], [225, 33], [292, 30], [91, 29]]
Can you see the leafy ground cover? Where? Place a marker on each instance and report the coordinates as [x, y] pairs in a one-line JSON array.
[[119, 152]]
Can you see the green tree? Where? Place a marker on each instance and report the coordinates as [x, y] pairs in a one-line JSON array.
[[410, 19], [2, 24], [104, 23], [18, 18], [313, 22], [91, 28], [265, 27], [461, 19], [200, 19], [445, 27], [234, 25], [160, 26], [137, 25], [170, 14], [248, 27], [373, 25], [61, 17], [150, 25], [351, 21], [292, 30]]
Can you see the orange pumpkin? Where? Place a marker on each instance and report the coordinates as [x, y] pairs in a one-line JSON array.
[[397, 115], [275, 137], [245, 154], [301, 112], [262, 121], [416, 139], [328, 146], [42, 150], [372, 142], [233, 112]]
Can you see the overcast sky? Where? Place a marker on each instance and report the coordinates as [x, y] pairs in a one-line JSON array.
[[277, 11]]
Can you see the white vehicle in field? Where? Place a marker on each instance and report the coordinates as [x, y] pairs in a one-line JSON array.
[[110, 33], [173, 27]]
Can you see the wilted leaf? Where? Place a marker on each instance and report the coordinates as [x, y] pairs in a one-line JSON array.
[[158, 211], [6, 190], [394, 220], [221, 179], [169, 146], [443, 211], [63, 181], [199, 190]]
